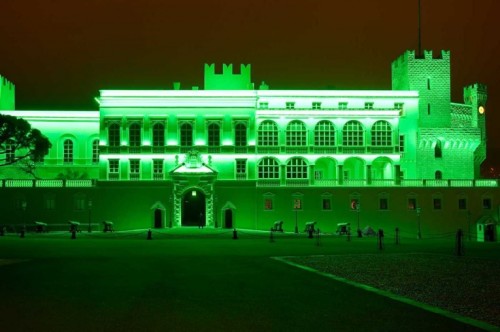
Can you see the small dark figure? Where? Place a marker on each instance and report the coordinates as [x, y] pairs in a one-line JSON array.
[[360, 234], [73, 234], [235, 234], [380, 239], [150, 235]]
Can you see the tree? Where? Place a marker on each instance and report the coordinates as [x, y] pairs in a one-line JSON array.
[[18, 141]]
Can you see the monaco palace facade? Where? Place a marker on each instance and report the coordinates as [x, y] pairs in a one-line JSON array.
[[236, 155]]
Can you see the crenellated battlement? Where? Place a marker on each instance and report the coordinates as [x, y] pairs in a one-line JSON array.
[[228, 79], [409, 56], [7, 94]]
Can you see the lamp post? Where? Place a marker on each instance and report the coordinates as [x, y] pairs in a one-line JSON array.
[[419, 234], [216, 212], [24, 204], [90, 215], [358, 209], [296, 207], [171, 209], [468, 224]]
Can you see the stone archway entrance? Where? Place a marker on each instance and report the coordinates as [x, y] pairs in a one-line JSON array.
[[193, 208]]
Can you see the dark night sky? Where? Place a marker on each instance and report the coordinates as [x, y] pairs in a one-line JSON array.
[[59, 53]]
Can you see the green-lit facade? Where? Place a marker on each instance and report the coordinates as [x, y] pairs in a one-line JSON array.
[[235, 154]]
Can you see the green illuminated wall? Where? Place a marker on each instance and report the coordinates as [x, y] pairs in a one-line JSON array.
[[407, 143], [7, 94]]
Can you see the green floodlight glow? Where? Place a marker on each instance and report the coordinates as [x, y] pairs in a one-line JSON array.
[[193, 193]]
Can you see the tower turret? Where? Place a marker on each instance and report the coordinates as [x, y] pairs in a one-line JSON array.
[[430, 76]]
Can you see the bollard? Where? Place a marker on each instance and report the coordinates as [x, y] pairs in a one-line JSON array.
[[150, 235], [397, 235], [459, 243], [380, 239], [271, 236], [73, 234], [235, 234]]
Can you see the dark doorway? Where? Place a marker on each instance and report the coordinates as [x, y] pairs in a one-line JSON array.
[[489, 232], [158, 219], [193, 208], [228, 218]]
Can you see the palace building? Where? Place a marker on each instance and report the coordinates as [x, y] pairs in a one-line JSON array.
[[233, 154]]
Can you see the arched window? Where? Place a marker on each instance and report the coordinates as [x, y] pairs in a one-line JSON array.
[[324, 134], [268, 133], [381, 134], [95, 151], [438, 175], [352, 134], [438, 152], [134, 134], [269, 169], [186, 135], [114, 134], [158, 134], [213, 134], [240, 135], [296, 134], [296, 168], [68, 151]]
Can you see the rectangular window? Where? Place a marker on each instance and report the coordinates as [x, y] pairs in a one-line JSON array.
[[318, 175], [268, 204], [158, 169], [428, 109], [342, 105], [290, 105], [316, 105], [50, 203], [113, 169], [10, 153], [412, 203], [297, 204], [462, 204], [368, 105], [241, 166], [327, 204], [428, 84], [80, 203], [436, 203], [401, 143], [383, 204], [134, 169], [487, 203], [263, 105]]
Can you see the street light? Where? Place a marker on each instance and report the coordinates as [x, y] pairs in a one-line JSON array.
[[358, 208], [24, 204], [170, 209], [90, 215], [419, 234]]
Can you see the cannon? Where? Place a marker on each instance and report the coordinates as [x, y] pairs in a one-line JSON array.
[[278, 226]]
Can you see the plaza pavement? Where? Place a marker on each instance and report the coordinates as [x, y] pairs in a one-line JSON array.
[[191, 280]]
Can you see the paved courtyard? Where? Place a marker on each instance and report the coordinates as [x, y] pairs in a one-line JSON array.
[[201, 280]]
